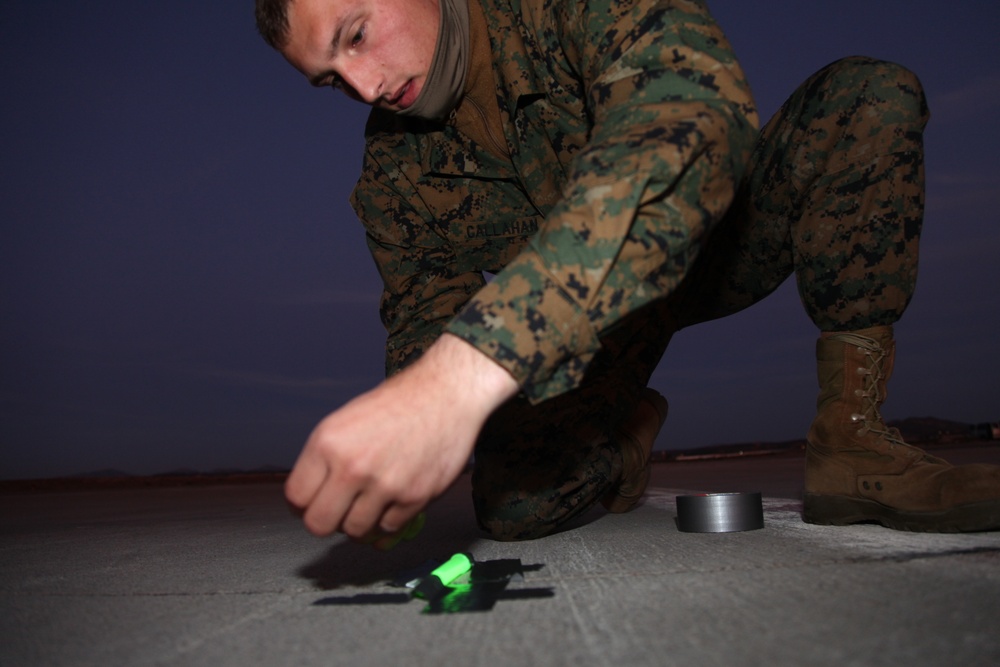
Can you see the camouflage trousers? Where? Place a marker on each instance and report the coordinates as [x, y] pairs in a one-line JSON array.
[[833, 194]]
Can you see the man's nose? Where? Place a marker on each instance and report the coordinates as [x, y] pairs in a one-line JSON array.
[[365, 83]]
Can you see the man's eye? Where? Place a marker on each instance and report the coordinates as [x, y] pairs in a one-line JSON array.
[[359, 37]]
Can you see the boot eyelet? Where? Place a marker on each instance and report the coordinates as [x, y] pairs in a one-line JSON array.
[[865, 484], [878, 486]]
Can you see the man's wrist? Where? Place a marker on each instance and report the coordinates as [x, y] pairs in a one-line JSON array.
[[477, 376]]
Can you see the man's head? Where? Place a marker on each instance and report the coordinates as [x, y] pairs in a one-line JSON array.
[[377, 51], [272, 21]]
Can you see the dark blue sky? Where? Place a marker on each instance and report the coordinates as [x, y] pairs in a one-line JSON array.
[[182, 282]]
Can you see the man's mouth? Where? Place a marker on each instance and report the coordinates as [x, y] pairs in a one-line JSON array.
[[405, 96]]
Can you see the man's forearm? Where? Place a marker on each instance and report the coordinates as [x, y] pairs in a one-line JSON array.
[[483, 383]]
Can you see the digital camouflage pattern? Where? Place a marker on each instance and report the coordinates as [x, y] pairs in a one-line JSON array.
[[627, 125], [834, 193], [637, 199]]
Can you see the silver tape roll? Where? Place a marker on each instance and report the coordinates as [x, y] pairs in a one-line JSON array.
[[720, 512]]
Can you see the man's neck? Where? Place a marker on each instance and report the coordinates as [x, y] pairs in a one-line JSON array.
[[478, 114]]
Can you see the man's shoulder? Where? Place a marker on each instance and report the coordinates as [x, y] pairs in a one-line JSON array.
[[528, 14]]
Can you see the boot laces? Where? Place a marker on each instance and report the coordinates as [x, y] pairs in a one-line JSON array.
[[870, 420]]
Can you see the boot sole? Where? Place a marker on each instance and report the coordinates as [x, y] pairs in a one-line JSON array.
[[843, 511]]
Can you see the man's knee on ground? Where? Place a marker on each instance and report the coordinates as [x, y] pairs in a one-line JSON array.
[[511, 521]]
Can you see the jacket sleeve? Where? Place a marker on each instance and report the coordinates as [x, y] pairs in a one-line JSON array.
[[673, 126]]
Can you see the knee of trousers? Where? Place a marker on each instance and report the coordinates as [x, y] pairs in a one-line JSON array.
[[511, 521], [879, 84]]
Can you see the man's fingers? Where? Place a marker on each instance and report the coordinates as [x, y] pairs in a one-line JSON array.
[[398, 518], [327, 509], [362, 517], [306, 479], [385, 542]]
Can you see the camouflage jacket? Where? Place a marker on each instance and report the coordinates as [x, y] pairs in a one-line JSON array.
[[627, 124]]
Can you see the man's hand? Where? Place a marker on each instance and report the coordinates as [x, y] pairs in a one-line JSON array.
[[371, 466]]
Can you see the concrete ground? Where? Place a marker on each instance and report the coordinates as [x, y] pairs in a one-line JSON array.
[[224, 575]]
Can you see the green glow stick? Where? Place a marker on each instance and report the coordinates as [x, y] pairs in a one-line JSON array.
[[435, 583], [453, 568]]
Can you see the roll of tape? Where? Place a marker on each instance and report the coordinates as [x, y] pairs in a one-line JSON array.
[[720, 512]]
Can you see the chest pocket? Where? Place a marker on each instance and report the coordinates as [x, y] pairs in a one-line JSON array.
[[548, 136], [492, 225]]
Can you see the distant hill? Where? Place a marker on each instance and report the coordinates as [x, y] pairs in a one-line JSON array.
[[104, 473], [920, 431], [931, 429], [111, 478]]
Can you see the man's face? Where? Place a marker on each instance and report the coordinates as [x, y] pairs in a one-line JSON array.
[[377, 51]]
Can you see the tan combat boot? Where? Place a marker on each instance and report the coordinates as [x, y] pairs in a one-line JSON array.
[[857, 469], [636, 436]]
